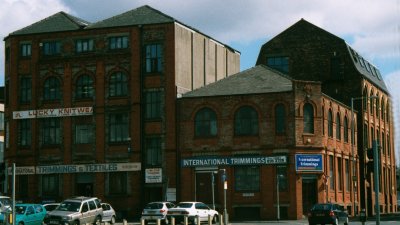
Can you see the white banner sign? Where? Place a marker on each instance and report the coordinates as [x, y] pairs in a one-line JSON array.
[[83, 168], [61, 112], [153, 175]]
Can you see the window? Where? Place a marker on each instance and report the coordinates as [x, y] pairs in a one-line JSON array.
[[51, 48], [346, 169], [120, 42], [24, 132], [1, 121], [26, 50], [247, 178], [118, 84], [279, 63], [383, 109], [280, 117], [154, 58], [338, 127], [153, 104], [118, 127], [51, 89], [118, 183], [84, 45], [365, 99], [25, 90], [346, 129], [308, 118], [205, 123], [330, 124], [84, 133], [153, 151], [377, 105], [50, 185], [84, 87], [383, 143], [282, 176], [51, 131], [371, 103], [323, 120], [23, 186], [331, 174], [246, 121], [339, 171]]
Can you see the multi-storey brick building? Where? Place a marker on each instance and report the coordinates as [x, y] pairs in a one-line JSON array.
[[264, 132], [91, 107], [307, 52]]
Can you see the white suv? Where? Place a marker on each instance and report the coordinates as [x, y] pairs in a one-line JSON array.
[[194, 211], [75, 211]]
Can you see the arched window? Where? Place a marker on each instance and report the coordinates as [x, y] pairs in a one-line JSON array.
[[330, 123], [308, 118], [387, 112], [323, 120], [205, 123], [338, 126], [377, 105], [246, 121], [51, 89], [280, 117], [84, 87], [371, 103], [365, 99], [383, 109], [118, 84], [346, 129]]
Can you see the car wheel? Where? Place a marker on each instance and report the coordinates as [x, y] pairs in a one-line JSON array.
[[21, 223], [347, 221], [214, 219], [336, 222], [112, 221], [97, 221], [165, 221]]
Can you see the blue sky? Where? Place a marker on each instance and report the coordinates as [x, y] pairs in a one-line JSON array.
[[371, 27]]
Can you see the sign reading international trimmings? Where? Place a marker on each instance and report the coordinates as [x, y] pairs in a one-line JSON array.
[[233, 161], [60, 112], [308, 163]]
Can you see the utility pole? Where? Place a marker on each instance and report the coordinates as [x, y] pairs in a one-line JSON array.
[[375, 148]]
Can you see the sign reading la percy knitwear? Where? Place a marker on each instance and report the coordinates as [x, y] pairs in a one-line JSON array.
[[233, 161], [308, 163]]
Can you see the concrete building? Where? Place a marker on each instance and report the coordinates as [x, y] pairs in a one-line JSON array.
[[263, 131], [307, 52], [91, 107]]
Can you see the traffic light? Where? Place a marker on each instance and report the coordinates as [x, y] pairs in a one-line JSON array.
[[2, 172], [371, 160]]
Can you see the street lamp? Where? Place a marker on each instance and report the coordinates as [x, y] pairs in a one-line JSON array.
[[278, 176], [352, 147], [225, 188]]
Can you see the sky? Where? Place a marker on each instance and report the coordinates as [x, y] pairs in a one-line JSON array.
[[371, 27]]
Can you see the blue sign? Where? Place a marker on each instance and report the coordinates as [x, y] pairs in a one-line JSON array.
[[233, 161], [308, 163]]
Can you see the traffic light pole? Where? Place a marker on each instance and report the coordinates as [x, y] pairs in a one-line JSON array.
[[376, 179]]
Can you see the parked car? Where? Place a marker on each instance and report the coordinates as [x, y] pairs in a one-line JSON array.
[[5, 208], [29, 214], [328, 213], [75, 211], [108, 213], [50, 206], [194, 211], [156, 210]]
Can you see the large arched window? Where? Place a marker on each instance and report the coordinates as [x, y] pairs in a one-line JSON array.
[[330, 123], [371, 103], [118, 84], [246, 121], [338, 126], [377, 105], [346, 129], [308, 118], [280, 117], [51, 89], [205, 123], [383, 109], [365, 99], [84, 87]]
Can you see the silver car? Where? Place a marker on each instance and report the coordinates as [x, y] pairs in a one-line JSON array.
[[108, 213], [156, 210]]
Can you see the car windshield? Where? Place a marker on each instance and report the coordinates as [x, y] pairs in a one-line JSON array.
[[69, 206], [20, 209], [184, 205], [5, 204], [154, 206], [322, 207]]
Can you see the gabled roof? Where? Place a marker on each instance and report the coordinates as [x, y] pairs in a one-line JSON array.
[[256, 80], [60, 21], [141, 15]]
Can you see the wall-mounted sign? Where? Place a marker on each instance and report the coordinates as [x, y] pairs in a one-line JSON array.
[[309, 163], [83, 168], [60, 112], [233, 161], [153, 175]]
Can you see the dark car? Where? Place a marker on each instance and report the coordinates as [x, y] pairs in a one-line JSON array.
[[328, 213]]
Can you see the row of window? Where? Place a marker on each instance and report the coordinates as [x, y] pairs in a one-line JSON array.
[[380, 110], [246, 121]]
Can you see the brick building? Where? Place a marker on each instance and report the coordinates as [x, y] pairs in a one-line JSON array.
[[307, 52], [91, 107], [263, 131]]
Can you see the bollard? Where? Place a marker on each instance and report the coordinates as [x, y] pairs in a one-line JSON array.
[[172, 221], [158, 222], [124, 222], [210, 220], [220, 219], [198, 220], [185, 220], [142, 222]]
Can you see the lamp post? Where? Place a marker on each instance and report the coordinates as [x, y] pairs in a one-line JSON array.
[[352, 147], [278, 212], [225, 188]]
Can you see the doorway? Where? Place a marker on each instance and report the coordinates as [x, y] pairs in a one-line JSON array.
[[84, 184], [310, 194], [206, 190]]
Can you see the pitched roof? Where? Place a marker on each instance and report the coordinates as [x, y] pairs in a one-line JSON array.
[[60, 21], [141, 15], [256, 80]]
